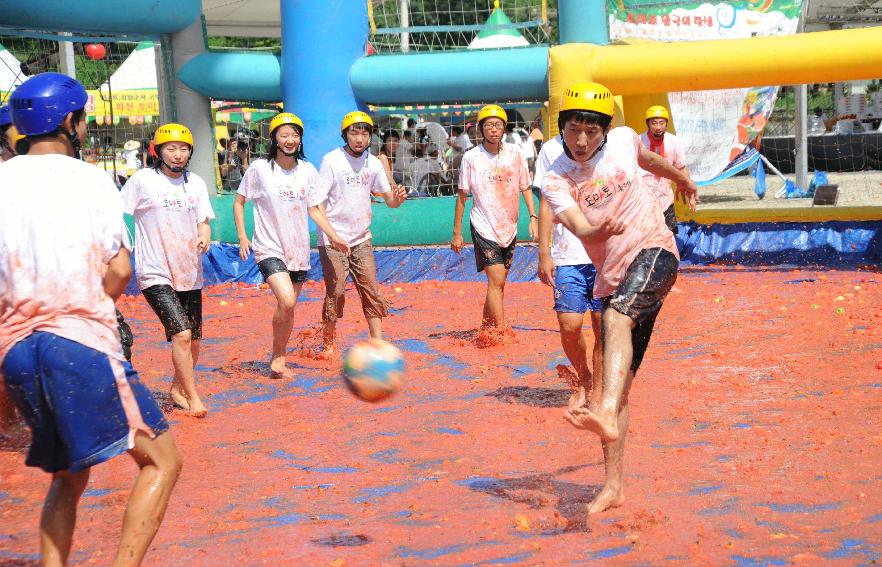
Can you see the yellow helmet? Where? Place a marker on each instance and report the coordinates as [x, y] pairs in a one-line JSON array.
[[284, 118], [356, 117], [491, 111], [588, 96], [172, 133], [657, 111]]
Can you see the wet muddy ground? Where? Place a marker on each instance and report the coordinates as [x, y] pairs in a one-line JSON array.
[[755, 437]]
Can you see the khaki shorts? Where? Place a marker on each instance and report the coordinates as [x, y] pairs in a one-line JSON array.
[[336, 267]]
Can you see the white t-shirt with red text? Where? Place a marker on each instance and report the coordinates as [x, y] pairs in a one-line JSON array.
[[166, 212], [495, 182], [660, 186], [347, 185], [281, 199], [566, 248], [60, 224], [610, 186]]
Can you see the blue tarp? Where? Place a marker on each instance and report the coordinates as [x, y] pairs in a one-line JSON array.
[[824, 244]]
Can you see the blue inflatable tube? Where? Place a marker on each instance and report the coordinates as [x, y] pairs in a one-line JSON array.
[[482, 75], [132, 17], [247, 76]]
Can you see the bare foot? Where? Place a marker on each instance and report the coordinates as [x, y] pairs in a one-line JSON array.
[[196, 408], [582, 418], [278, 368], [178, 398], [608, 498], [577, 398], [327, 351]]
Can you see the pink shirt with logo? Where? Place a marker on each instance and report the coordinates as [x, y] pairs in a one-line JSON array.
[[166, 212], [610, 186], [495, 182], [660, 186], [281, 199], [347, 185]]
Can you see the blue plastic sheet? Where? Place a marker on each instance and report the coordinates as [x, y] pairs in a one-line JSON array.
[[825, 244]]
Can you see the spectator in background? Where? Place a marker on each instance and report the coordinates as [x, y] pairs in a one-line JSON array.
[[426, 173], [238, 161], [391, 140], [404, 154], [131, 150]]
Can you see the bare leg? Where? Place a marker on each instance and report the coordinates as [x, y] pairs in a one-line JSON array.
[[160, 465], [612, 494], [494, 313], [286, 294], [183, 391], [375, 327], [59, 517], [617, 357], [597, 362], [574, 346]]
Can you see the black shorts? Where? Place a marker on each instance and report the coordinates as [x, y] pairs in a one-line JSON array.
[[641, 293], [177, 310], [270, 266], [671, 219], [488, 252]]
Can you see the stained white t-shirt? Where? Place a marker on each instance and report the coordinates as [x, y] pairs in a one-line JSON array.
[[566, 248], [347, 185], [610, 185], [281, 199], [166, 212], [495, 182], [660, 186], [60, 224]]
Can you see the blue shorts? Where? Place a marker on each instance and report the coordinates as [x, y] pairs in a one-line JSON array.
[[574, 289], [69, 396]]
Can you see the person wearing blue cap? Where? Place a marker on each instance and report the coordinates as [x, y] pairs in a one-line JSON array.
[[64, 259]]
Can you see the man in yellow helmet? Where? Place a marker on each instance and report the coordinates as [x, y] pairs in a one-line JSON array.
[[595, 189], [172, 211], [658, 140], [495, 175], [350, 176]]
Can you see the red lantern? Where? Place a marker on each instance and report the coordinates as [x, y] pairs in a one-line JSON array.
[[96, 51]]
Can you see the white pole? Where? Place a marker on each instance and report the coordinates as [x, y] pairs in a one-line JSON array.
[[801, 157], [404, 10], [66, 58]]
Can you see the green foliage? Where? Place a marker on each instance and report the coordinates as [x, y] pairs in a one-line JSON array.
[[226, 42]]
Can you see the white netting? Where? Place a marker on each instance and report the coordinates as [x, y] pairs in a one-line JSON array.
[[434, 25]]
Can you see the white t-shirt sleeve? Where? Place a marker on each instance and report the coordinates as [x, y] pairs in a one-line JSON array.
[[557, 194], [249, 182], [381, 181], [315, 193], [131, 195], [204, 212], [465, 174]]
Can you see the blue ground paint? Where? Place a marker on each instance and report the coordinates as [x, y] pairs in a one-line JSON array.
[[724, 458], [731, 532], [371, 494], [610, 552], [96, 492], [700, 425], [389, 456], [414, 345], [450, 431], [801, 508], [289, 519], [742, 426], [313, 486], [743, 561], [405, 552], [850, 548], [874, 519], [509, 560], [726, 507], [699, 490]]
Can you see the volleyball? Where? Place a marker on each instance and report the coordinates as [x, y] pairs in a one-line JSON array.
[[373, 369]]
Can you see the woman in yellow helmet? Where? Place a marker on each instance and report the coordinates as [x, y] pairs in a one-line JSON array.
[[595, 189], [350, 175], [285, 189], [496, 176], [172, 212]]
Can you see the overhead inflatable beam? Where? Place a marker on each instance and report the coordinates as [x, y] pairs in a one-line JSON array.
[[452, 77], [139, 17], [818, 57], [247, 76]]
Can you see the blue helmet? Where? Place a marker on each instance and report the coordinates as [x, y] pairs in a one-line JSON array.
[[40, 104], [5, 116]]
